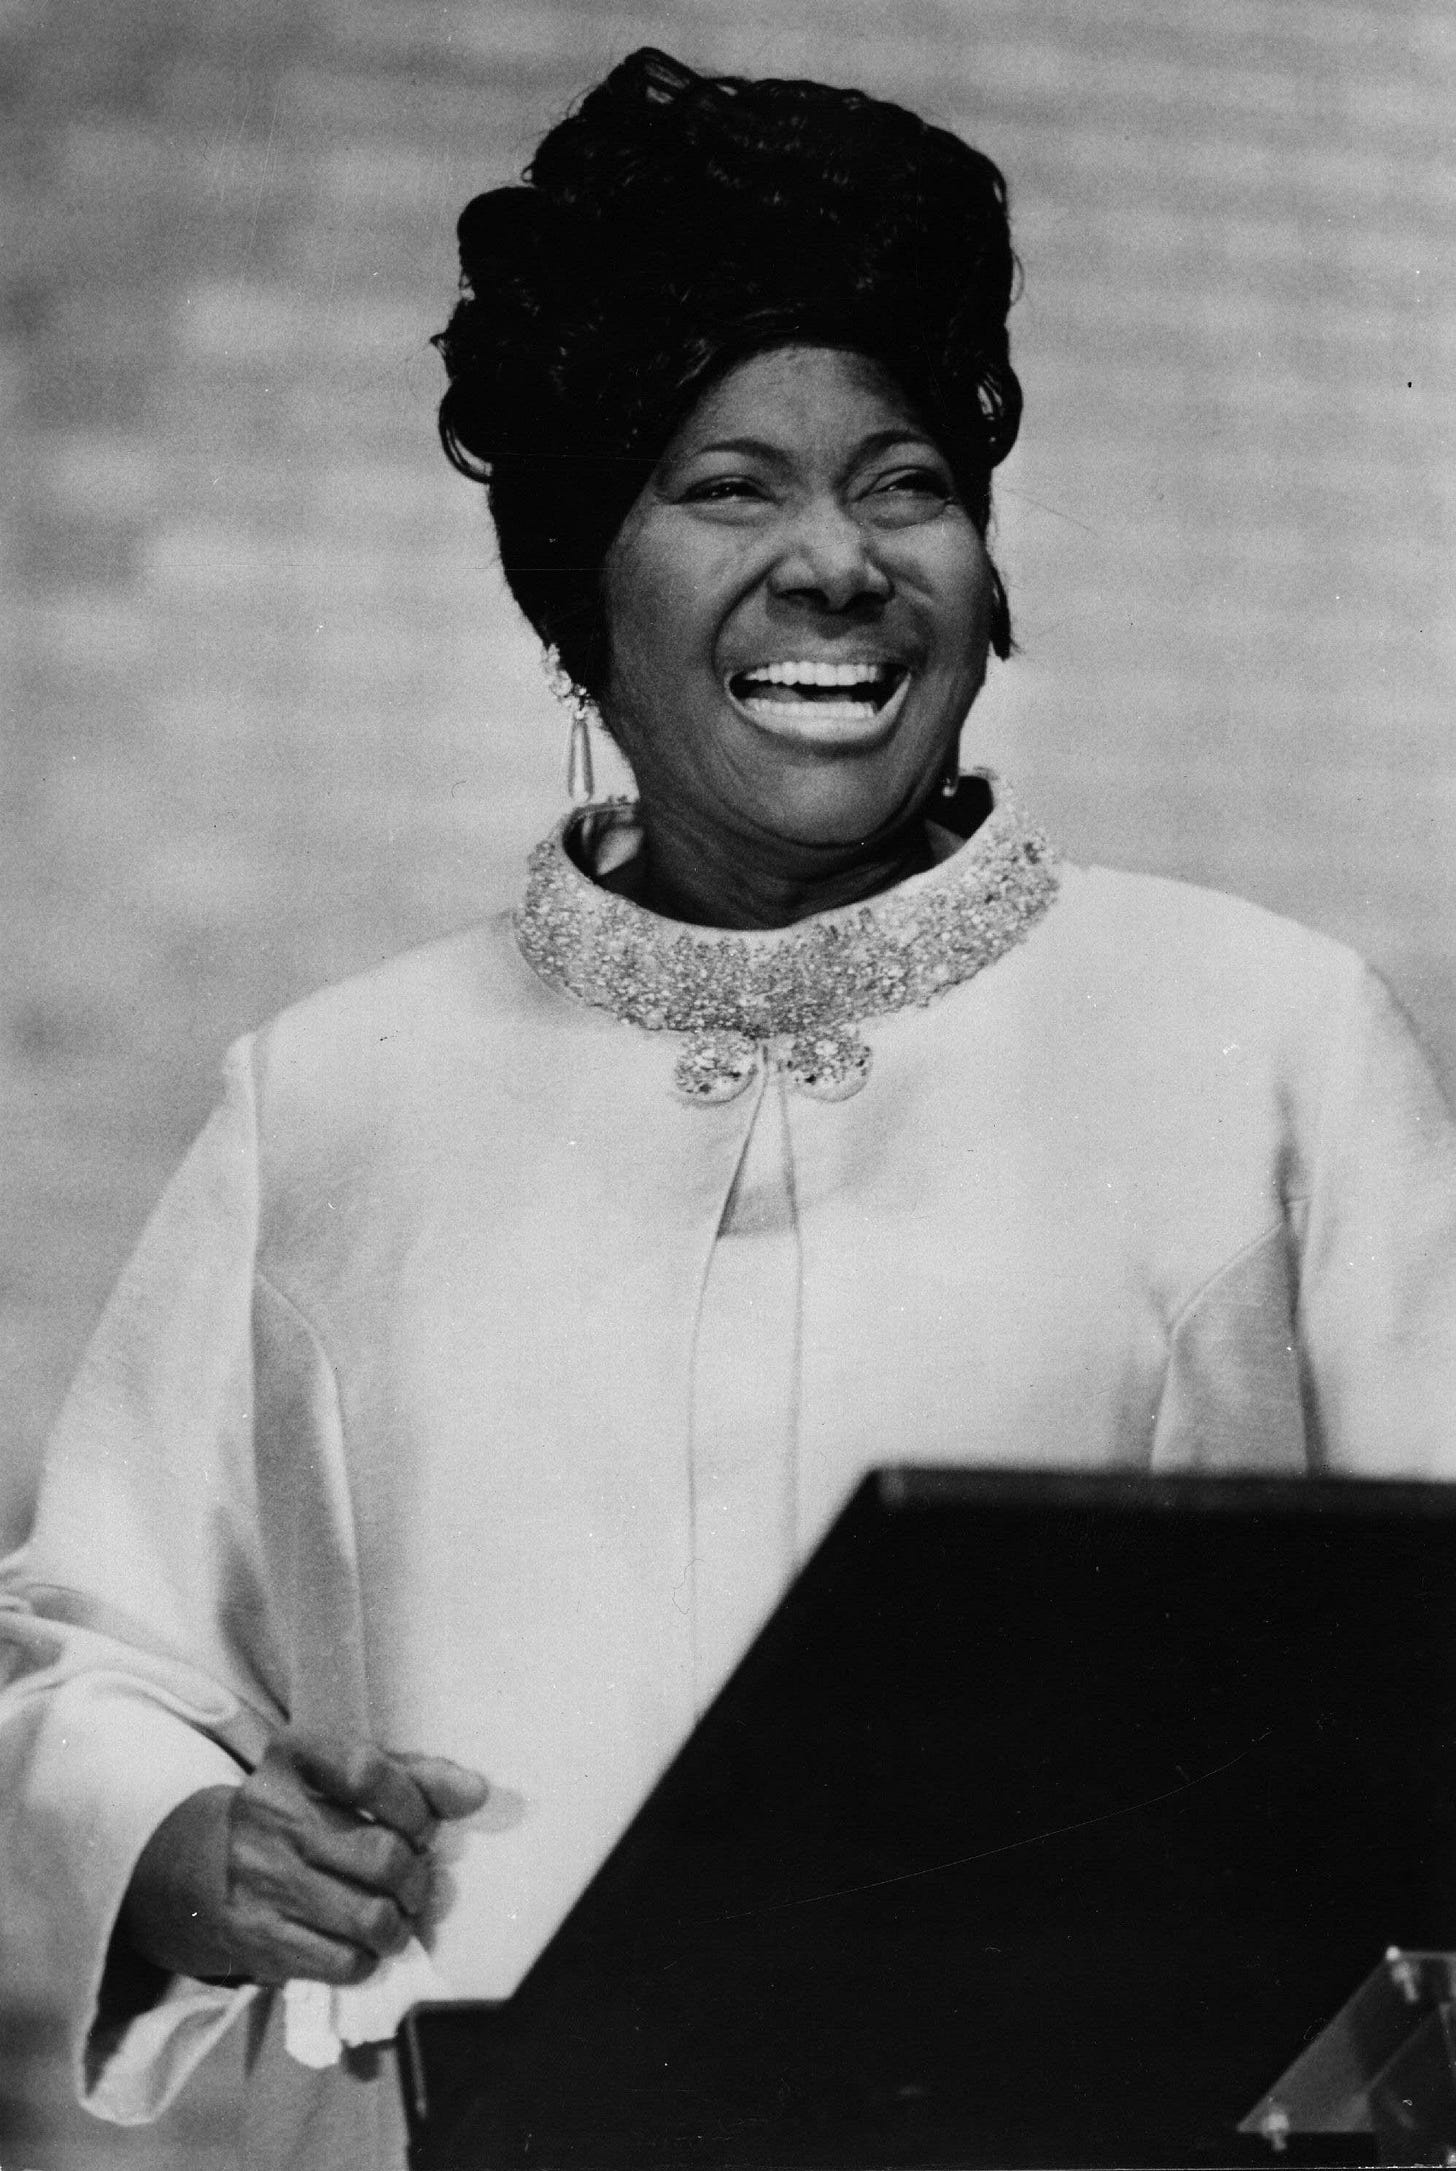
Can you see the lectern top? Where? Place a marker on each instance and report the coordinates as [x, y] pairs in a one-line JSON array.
[[1046, 1823]]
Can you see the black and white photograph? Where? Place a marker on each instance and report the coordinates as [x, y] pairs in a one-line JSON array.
[[727, 1046]]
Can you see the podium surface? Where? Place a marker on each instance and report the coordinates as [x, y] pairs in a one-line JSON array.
[[1047, 1821]]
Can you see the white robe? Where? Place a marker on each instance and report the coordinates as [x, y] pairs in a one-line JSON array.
[[470, 1387]]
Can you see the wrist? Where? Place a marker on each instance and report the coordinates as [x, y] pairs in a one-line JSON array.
[[174, 1915]]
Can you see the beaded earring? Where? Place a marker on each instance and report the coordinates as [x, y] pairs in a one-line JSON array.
[[580, 783]]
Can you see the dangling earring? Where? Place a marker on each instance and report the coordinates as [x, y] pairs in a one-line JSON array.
[[950, 783], [580, 783], [1002, 639]]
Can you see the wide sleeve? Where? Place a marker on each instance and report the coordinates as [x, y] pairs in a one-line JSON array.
[[1375, 1234], [136, 1654]]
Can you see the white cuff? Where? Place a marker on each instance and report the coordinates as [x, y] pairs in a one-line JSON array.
[[156, 2054]]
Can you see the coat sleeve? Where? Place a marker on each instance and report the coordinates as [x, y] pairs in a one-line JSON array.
[[1376, 1242], [136, 1658]]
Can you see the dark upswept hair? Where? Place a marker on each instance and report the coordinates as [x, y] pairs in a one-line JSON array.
[[673, 224]]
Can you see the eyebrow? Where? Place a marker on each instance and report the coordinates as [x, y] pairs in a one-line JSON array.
[[758, 448]]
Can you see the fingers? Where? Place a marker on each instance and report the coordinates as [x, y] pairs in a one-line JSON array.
[[451, 1789], [361, 1777], [285, 1951], [370, 1856], [369, 1922], [328, 1855], [278, 1897], [410, 1793], [277, 1820]]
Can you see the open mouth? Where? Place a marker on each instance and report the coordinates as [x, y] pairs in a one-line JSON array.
[[813, 698]]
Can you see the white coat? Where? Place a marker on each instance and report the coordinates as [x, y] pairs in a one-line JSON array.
[[472, 1387]]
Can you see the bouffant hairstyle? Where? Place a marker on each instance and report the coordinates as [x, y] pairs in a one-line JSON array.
[[672, 225]]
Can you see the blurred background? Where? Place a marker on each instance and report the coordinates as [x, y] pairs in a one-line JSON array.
[[267, 713]]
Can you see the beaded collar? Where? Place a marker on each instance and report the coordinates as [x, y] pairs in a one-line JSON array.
[[785, 996]]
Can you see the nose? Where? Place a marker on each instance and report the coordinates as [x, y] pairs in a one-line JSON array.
[[828, 561]]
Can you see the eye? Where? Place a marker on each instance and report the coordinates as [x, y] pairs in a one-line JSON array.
[[927, 482], [723, 490], [904, 497]]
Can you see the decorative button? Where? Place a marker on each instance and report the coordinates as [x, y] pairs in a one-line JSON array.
[[715, 1067], [828, 1065]]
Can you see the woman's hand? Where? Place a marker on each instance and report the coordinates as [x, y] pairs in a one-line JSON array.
[[317, 1865]]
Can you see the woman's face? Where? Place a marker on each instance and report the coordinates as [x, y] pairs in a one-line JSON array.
[[798, 607]]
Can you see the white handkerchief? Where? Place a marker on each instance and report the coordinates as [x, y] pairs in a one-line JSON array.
[[319, 2019]]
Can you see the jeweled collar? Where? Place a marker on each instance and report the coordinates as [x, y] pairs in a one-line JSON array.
[[786, 995]]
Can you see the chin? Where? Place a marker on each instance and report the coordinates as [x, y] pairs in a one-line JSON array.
[[837, 804]]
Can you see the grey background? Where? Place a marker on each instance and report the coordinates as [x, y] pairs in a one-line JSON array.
[[268, 714]]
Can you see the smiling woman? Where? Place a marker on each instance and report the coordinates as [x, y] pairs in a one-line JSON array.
[[531, 1305], [799, 605]]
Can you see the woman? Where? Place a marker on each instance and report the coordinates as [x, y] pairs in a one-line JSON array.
[[531, 1304]]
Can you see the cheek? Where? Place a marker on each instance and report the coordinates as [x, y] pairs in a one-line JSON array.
[[654, 611], [958, 582]]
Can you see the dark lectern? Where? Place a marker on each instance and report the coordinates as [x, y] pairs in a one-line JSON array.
[[1046, 1823]]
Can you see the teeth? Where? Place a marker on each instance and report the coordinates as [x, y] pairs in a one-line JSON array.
[[831, 712], [794, 715], [820, 674]]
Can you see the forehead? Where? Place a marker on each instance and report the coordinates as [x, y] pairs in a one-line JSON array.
[[804, 401]]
